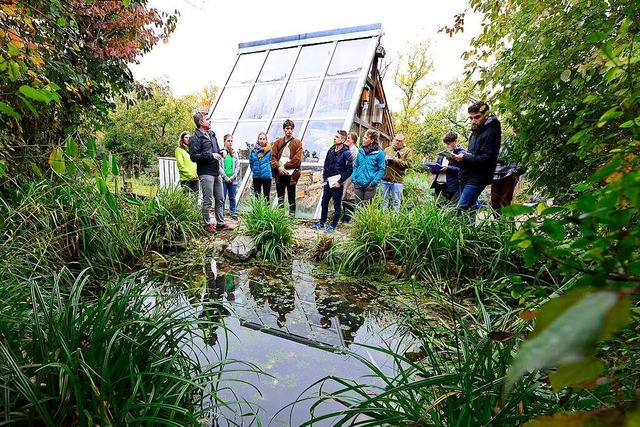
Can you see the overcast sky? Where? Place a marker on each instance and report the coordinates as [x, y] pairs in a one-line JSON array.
[[211, 30]]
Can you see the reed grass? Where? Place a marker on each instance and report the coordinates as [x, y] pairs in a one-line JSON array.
[[129, 355], [271, 229]]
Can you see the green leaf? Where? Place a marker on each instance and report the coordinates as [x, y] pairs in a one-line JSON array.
[[105, 166], [101, 185], [114, 164], [35, 169], [71, 147], [567, 330], [596, 418], [91, 148], [610, 114], [517, 210], [14, 71], [35, 94], [56, 161], [9, 111], [554, 228], [580, 374], [596, 37]]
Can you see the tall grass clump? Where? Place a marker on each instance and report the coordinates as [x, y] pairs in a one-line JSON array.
[[454, 379], [48, 225], [368, 247], [130, 355], [168, 219], [271, 229]]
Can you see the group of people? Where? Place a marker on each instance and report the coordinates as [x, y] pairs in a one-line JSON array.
[[351, 174], [461, 175]]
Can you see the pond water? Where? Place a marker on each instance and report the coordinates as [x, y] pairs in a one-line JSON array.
[[294, 325]]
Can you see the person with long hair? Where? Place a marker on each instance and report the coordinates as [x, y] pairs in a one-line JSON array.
[[186, 168], [229, 169], [368, 168], [260, 164]]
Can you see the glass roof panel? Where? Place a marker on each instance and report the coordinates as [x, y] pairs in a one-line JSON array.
[[247, 133], [278, 65], [318, 137], [275, 130], [247, 68], [230, 103], [335, 97], [349, 57], [262, 101], [312, 61], [296, 99]]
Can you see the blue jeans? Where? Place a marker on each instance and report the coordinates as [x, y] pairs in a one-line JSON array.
[[327, 194], [391, 189], [469, 196], [230, 189]]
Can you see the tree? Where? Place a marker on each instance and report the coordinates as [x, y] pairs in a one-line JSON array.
[[411, 77], [63, 64], [144, 127]]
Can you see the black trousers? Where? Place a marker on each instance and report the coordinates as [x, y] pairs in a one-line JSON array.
[[262, 185], [283, 183]]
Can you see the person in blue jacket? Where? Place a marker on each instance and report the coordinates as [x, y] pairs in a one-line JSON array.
[[338, 166], [446, 183], [368, 168], [260, 164]]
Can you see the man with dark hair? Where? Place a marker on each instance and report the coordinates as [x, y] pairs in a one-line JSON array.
[[205, 153], [338, 166], [286, 159], [478, 163]]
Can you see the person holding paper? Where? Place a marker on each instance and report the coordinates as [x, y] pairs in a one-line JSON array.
[[338, 166], [286, 159], [446, 183], [478, 163], [348, 196], [398, 157]]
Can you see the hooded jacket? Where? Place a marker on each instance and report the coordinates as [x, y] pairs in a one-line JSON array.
[[479, 162]]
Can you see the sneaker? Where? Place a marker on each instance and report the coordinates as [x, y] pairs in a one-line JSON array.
[[210, 228], [330, 229], [317, 226], [222, 226]]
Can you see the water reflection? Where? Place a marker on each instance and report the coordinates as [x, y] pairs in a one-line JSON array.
[[293, 326]]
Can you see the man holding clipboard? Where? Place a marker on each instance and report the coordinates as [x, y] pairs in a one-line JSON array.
[[446, 182], [338, 166]]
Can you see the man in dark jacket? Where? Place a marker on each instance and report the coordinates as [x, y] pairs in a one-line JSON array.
[[205, 153], [478, 163], [338, 166]]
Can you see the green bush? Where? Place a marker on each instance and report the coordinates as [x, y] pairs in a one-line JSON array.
[[168, 219], [271, 229]]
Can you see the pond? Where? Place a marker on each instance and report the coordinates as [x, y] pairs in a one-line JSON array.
[[293, 324]]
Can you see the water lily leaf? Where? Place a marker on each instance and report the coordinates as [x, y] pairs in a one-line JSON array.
[[568, 328], [580, 374]]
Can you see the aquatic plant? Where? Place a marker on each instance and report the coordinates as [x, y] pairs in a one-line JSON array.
[[271, 229], [128, 355], [168, 219]]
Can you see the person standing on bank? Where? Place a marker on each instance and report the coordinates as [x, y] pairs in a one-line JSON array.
[[187, 169], [446, 182], [286, 159], [205, 152], [398, 159], [368, 168], [338, 166], [506, 176], [478, 163], [348, 202], [229, 168], [260, 164]]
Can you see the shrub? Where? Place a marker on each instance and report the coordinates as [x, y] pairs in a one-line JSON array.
[[271, 229]]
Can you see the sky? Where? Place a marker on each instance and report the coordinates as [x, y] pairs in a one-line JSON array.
[[210, 32]]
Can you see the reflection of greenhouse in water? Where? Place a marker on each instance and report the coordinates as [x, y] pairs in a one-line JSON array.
[[322, 81]]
